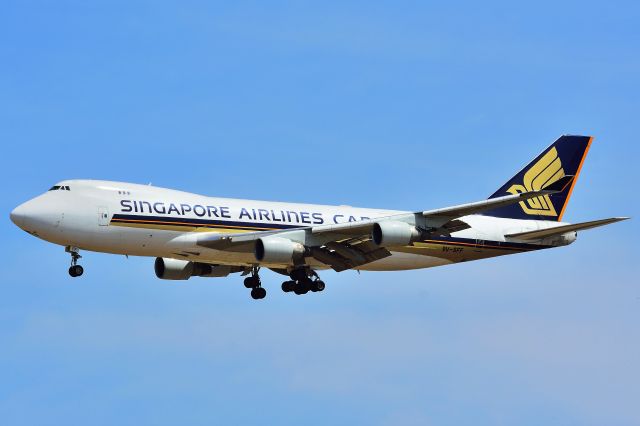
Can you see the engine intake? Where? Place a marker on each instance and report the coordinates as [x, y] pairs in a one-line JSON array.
[[277, 250], [390, 233]]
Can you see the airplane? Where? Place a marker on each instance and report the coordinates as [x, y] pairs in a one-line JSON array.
[[194, 235]]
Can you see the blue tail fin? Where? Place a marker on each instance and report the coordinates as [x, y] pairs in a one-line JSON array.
[[564, 157]]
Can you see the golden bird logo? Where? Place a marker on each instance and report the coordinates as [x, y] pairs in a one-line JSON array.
[[542, 174]]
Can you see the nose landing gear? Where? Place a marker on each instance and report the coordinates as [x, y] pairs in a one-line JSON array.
[[75, 270]]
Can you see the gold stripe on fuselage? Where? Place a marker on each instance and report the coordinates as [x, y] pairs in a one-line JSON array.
[[185, 226], [199, 228]]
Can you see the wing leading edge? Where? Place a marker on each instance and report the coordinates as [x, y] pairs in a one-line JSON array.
[[559, 230]]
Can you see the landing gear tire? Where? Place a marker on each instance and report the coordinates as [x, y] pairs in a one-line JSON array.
[[76, 270], [303, 286], [258, 293], [288, 286], [252, 282], [318, 285]]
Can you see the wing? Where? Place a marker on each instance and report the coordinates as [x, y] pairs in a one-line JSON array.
[[559, 230], [349, 245]]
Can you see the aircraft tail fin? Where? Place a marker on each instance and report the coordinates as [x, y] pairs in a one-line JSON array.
[[563, 158]]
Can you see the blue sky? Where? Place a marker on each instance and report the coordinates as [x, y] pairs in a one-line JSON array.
[[405, 105]]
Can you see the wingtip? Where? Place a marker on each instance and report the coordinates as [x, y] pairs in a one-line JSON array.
[[617, 219]]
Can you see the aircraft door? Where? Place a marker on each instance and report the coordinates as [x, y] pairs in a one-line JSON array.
[[103, 216], [480, 242]]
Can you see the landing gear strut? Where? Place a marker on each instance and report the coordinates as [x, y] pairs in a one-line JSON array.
[[75, 270], [253, 282], [303, 281]]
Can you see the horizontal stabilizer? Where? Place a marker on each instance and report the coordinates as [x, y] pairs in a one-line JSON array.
[[561, 184], [492, 203], [443, 215], [559, 230]]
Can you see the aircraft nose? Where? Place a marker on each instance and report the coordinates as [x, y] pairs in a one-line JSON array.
[[38, 216], [19, 215]]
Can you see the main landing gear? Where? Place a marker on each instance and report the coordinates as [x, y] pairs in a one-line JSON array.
[[75, 270], [302, 282], [253, 282]]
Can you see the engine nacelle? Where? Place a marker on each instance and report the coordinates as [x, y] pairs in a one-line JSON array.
[[561, 240], [277, 250], [176, 269], [173, 269], [390, 233]]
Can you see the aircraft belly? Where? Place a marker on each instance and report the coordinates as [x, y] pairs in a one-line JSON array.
[[427, 255], [227, 257], [404, 261]]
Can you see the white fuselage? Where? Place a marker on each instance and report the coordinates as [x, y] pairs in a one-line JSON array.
[[132, 219]]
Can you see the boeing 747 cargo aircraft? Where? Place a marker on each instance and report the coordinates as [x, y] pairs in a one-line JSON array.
[[194, 235]]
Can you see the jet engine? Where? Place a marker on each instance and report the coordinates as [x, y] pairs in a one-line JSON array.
[[390, 233], [175, 269], [277, 250], [561, 240]]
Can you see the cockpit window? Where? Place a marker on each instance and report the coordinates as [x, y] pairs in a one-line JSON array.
[[54, 188], [60, 188]]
